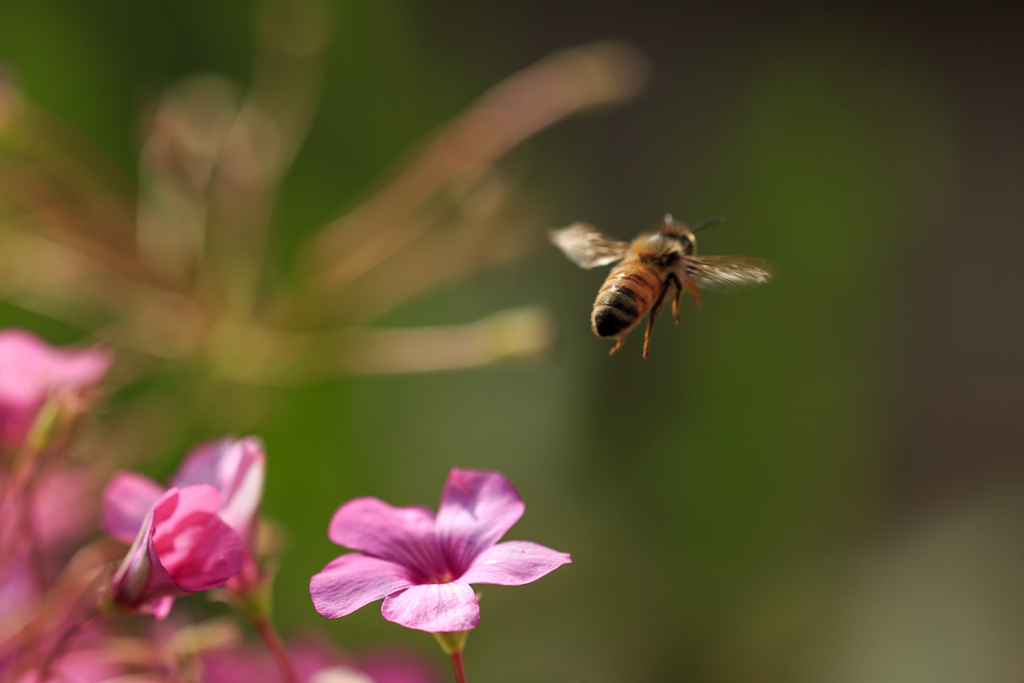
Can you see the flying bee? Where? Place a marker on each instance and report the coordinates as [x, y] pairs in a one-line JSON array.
[[651, 265]]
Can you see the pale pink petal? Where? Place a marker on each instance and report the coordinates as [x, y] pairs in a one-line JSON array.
[[30, 369], [160, 607], [200, 464], [242, 472], [77, 369], [354, 580], [434, 607], [197, 549], [514, 563], [237, 468], [126, 500], [24, 367], [477, 508], [402, 535]]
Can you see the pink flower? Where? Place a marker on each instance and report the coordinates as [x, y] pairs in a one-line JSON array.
[[423, 565], [31, 370], [238, 469], [182, 546], [235, 467]]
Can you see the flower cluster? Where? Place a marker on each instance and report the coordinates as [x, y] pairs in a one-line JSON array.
[[191, 537], [62, 603]]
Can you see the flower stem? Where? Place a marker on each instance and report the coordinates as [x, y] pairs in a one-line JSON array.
[[460, 670], [453, 643], [266, 630]]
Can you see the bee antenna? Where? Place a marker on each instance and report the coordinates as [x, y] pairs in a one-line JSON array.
[[708, 223]]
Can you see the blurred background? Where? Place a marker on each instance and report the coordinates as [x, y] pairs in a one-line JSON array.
[[818, 480]]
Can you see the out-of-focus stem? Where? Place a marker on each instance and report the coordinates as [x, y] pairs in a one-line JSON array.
[[260, 355], [58, 647], [460, 670], [269, 636], [14, 498], [554, 88]]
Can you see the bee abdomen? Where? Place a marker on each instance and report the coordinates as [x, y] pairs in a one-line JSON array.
[[624, 298]]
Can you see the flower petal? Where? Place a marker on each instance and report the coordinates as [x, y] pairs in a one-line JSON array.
[[242, 472], [354, 580], [126, 500], [477, 508], [159, 607], [140, 567], [514, 563], [237, 468], [402, 535], [200, 464], [30, 369], [434, 607], [196, 548]]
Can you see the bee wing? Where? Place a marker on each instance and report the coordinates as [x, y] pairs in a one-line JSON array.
[[586, 247], [725, 273]]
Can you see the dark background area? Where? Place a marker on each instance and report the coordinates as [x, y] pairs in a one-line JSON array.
[[817, 480]]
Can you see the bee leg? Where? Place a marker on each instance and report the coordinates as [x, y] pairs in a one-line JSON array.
[[647, 334], [654, 313], [692, 289], [675, 299], [617, 346]]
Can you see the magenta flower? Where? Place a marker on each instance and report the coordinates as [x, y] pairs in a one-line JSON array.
[[235, 467], [181, 545], [238, 469], [423, 565], [31, 370]]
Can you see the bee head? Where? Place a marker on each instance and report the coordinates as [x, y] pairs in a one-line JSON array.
[[691, 243], [688, 232], [672, 227]]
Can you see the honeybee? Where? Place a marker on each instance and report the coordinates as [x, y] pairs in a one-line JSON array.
[[651, 265]]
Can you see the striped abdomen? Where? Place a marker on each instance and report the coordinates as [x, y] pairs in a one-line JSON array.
[[624, 298]]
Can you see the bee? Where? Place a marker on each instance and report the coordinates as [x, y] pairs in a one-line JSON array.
[[651, 266]]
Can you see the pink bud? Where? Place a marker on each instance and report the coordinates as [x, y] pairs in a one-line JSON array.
[[183, 547]]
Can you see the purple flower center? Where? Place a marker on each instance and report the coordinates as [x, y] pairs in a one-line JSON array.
[[432, 561]]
